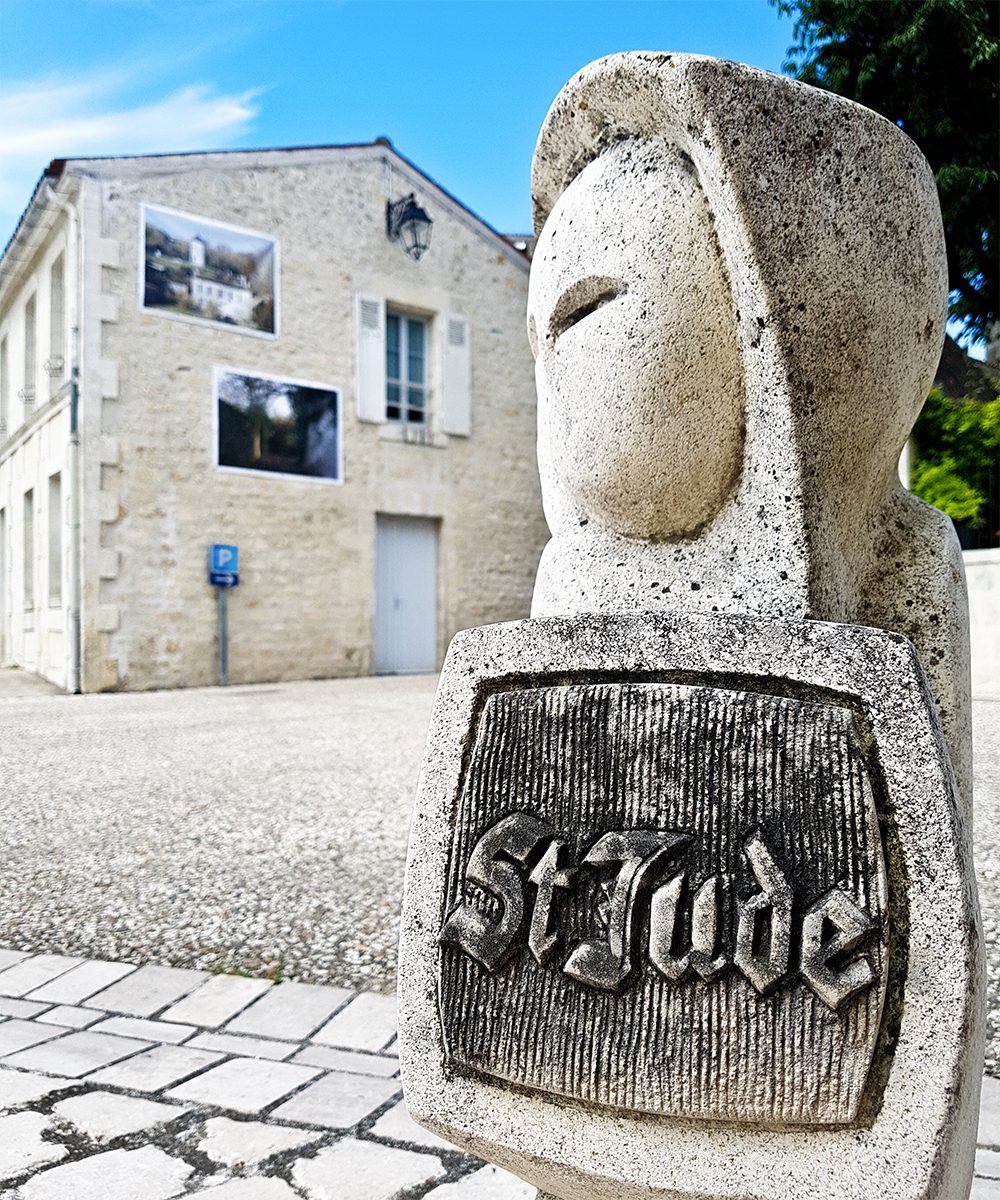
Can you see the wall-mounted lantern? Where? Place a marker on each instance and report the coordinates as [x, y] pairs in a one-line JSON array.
[[407, 223]]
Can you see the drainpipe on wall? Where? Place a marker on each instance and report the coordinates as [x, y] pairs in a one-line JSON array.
[[74, 254]]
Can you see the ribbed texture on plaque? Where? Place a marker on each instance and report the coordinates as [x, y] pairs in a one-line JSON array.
[[716, 765]]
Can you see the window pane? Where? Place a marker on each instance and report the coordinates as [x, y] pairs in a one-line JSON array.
[[415, 356], [392, 404], [392, 346], [416, 397], [415, 416]]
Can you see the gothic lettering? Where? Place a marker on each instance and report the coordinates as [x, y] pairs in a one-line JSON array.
[[520, 864]]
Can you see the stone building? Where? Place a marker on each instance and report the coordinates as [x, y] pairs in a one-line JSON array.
[[245, 348]]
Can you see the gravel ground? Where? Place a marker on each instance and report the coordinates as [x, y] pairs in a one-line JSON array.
[[259, 829]]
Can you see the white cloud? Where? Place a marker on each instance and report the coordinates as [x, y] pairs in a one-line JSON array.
[[65, 118]]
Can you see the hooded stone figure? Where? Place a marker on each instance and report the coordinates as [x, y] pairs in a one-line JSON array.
[[690, 909], [737, 304]]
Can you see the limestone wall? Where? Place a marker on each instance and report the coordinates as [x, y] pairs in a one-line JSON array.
[[34, 441], [156, 498], [982, 573]]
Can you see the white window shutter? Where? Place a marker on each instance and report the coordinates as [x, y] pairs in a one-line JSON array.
[[371, 358], [456, 377]]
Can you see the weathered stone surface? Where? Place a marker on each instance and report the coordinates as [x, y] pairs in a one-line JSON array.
[[76, 1054], [353, 1170], [488, 1183], [69, 1015], [146, 991], [20, 1008], [800, 766], [235, 1143], [76, 985], [251, 1189], [337, 1101], [293, 1011], [153, 1031], [22, 1146], [727, 262], [641, 759], [397, 1125], [17, 1034], [24, 977], [114, 1175], [157, 1068], [244, 1084], [367, 1023], [333, 1059], [249, 1047], [217, 1000], [21, 1087], [106, 1115]]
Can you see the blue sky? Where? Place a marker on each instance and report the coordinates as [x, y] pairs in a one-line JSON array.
[[460, 86]]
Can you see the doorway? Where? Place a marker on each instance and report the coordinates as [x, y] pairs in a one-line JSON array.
[[406, 553]]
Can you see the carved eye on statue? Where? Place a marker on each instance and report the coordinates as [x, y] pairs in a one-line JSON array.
[[582, 298]]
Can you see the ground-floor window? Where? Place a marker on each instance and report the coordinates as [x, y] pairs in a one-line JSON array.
[[29, 550]]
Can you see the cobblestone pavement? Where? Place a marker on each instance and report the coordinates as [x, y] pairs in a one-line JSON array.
[[125, 1083]]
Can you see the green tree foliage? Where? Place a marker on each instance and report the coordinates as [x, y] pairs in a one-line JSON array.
[[930, 66], [956, 444]]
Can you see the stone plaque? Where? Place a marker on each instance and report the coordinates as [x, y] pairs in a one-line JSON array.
[[668, 898]]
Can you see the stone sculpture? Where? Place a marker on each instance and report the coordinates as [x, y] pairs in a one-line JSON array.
[[690, 909]]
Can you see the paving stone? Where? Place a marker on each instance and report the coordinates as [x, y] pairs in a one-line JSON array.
[[338, 1101], [488, 1183], [347, 1060], [353, 1170], [151, 1031], [216, 1001], [367, 1023], [290, 1011], [398, 1126], [156, 1069], [230, 1043], [988, 1164], [9, 957], [21, 1087], [244, 1084], [989, 1113], [82, 981], [20, 1008], [985, 1189], [69, 1015], [148, 1174], [251, 1189], [76, 1054], [18, 1035], [147, 990], [235, 1143], [31, 973], [106, 1115], [21, 1145]]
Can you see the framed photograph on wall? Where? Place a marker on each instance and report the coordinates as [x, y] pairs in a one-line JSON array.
[[275, 426], [201, 270]]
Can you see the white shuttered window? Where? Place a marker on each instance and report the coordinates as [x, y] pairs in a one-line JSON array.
[[371, 358], [456, 377]]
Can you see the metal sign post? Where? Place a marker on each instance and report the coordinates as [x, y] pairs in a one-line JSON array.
[[223, 574]]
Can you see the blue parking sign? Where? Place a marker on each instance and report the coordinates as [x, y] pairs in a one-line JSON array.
[[224, 565]]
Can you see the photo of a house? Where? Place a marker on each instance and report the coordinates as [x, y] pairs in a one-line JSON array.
[[203, 270]]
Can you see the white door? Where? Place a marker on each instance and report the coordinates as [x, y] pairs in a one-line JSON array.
[[405, 595]]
